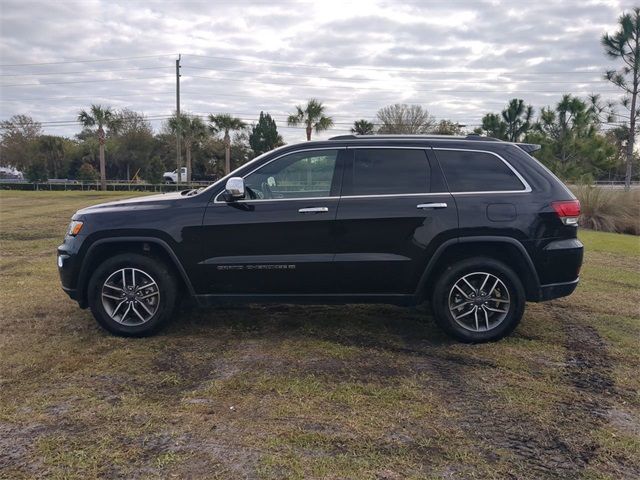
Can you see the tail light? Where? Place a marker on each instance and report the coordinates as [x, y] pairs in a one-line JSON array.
[[568, 211]]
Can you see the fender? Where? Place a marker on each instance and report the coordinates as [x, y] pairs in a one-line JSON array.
[[420, 293], [82, 277]]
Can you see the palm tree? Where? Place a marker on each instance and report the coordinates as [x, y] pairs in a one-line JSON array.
[[193, 130], [312, 117], [362, 127], [102, 117], [224, 122]]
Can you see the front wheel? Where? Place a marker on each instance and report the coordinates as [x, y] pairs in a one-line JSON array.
[[132, 295], [478, 300]]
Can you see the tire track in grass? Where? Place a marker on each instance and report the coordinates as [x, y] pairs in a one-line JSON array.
[[589, 369], [562, 449]]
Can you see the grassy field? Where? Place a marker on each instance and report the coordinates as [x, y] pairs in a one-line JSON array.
[[311, 391]]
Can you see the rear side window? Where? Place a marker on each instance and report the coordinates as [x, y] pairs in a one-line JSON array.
[[477, 172], [381, 171]]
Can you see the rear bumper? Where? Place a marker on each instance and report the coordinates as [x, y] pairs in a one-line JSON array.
[[557, 290]]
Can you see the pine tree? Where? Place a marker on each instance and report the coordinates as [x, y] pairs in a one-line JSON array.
[[264, 135]]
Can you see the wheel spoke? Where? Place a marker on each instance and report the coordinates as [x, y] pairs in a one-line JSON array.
[[475, 316], [484, 282], [497, 310], [486, 316], [473, 289], [126, 312], [145, 307], [468, 312], [152, 294], [133, 307], [118, 308], [461, 291], [124, 280], [112, 297], [114, 287], [494, 286]]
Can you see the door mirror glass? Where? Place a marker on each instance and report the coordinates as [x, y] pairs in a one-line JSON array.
[[234, 189]]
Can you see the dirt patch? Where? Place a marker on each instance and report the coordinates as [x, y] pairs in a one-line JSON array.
[[16, 445]]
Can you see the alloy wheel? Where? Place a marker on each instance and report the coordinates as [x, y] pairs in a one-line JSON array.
[[479, 301], [130, 296]]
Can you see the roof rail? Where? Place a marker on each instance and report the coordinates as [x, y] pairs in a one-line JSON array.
[[476, 136], [472, 136], [529, 147]]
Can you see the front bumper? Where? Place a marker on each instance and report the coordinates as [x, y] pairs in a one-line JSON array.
[[68, 265]]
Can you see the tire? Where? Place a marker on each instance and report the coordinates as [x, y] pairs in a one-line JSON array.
[[498, 311], [151, 304]]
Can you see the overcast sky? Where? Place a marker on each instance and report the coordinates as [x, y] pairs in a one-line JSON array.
[[458, 58]]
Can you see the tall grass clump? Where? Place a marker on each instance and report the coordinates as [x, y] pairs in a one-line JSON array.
[[609, 210]]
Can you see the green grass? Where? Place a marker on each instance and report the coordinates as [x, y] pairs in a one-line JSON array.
[[311, 391]]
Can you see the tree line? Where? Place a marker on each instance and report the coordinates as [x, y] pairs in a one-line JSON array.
[[581, 138], [121, 144]]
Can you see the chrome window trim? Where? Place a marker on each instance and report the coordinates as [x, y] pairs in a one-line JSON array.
[[370, 147], [527, 187], [273, 160], [297, 199], [386, 195]]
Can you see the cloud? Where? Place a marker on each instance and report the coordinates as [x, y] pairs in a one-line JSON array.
[[459, 59]]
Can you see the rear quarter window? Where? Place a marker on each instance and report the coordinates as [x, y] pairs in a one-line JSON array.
[[467, 171]]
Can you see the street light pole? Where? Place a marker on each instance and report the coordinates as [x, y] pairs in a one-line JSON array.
[[178, 124]]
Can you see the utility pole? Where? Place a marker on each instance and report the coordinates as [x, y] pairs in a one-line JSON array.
[[178, 124]]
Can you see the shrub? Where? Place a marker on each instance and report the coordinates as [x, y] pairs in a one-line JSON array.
[[153, 170], [37, 171], [609, 210], [86, 173]]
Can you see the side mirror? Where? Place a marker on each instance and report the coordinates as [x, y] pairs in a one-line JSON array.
[[234, 189]]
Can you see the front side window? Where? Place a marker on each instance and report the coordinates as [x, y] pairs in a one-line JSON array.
[[297, 175], [382, 171], [467, 171]]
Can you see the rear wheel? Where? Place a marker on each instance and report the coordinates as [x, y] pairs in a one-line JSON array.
[[132, 294], [478, 300]]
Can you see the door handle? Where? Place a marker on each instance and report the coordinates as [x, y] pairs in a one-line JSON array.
[[424, 206], [313, 210]]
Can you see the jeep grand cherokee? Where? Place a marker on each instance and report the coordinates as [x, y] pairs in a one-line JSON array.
[[474, 226]]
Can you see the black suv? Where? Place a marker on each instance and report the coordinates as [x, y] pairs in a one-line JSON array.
[[474, 226]]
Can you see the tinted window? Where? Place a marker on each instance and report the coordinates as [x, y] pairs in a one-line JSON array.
[[389, 171], [477, 172], [297, 175]]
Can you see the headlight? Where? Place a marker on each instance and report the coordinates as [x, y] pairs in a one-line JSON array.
[[74, 228]]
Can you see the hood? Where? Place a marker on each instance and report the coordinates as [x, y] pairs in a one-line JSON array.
[[162, 200]]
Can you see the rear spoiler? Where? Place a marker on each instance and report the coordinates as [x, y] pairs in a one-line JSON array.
[[529, 147]]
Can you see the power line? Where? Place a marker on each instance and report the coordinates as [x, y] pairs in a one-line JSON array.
[[377, 88], [385, 69], [88, 61], [65, 97], [80, 72], [492, 80], [82, 81]]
